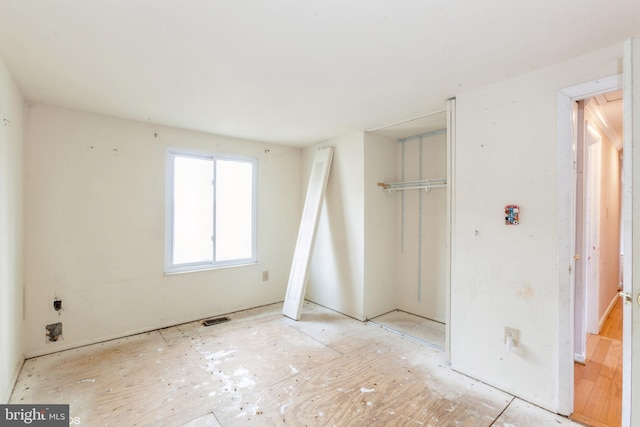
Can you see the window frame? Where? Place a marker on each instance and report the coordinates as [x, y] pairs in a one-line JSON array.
[[169, 266]]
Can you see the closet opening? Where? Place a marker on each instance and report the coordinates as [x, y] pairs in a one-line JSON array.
[[422, 195]]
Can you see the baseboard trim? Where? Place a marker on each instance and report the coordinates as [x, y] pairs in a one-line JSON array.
[[607, 312], [14, 378]]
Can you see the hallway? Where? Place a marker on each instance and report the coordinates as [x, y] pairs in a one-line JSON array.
[[598, 383]]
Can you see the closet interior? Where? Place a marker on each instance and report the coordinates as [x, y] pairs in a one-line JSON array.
[[422, 194]]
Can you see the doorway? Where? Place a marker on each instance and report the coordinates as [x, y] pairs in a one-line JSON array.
[[598, 260]]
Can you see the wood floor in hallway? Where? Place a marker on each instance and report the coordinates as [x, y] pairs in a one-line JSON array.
[[598, 383], [261, 368]]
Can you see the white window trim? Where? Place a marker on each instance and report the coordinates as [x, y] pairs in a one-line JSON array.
[[169, 266]]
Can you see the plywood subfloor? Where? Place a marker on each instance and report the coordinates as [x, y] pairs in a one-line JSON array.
[[265, 369], [426, 330], [598, 383]]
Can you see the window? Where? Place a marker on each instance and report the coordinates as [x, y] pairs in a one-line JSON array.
[[211, 211]]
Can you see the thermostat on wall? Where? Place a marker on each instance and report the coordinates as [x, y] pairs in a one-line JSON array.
[[511, 215]]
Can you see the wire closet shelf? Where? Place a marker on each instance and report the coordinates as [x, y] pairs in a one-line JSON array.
[[425, 184]]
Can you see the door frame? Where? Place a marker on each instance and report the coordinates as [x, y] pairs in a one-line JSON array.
[[451, 164], [631, 243], [567, 227], [590, 251]]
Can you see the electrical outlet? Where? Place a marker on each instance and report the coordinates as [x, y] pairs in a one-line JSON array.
[[514, 334], [265, 276]]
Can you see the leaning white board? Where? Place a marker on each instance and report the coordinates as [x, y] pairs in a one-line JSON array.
[[307, 233]]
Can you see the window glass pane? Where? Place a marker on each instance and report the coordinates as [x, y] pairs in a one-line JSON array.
[[234, 185], [192, 210]]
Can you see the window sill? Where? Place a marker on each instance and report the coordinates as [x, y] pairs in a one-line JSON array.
[[208, 268]]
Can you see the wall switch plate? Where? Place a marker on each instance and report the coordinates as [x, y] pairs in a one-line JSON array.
[[265, 276]]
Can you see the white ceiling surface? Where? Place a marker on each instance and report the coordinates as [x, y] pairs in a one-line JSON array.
[[289, 71], [432, 122], [611, 107]]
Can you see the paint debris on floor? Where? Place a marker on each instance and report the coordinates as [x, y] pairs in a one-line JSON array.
[[261, 368]]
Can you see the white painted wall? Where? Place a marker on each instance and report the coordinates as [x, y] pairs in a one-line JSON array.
[[507, 153], [429, 300], [352, 267], [11, 232], [94, 197], [336, 270], [380, 237]]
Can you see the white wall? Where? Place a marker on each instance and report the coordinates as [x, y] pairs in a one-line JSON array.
[[94, 197], [428, 299], [11, 232], [352, 267], [507, 153], [380, 237], [336, 275]]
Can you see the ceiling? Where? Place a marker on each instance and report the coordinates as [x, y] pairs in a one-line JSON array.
[[293, 72], [427, 123], [610, 106]]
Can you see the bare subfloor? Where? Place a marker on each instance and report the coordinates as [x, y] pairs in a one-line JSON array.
[[423, 329], [264, 369]]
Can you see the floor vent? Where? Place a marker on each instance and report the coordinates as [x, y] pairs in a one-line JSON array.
[[215, 321]]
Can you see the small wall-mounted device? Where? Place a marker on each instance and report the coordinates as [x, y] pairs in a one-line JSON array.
[[512, 215], [511, 338], [54, 332]]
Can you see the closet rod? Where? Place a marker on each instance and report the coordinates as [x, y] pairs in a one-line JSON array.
[[426, 184]]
